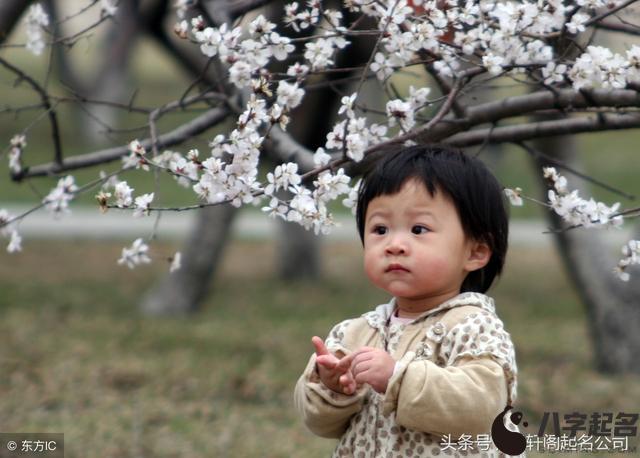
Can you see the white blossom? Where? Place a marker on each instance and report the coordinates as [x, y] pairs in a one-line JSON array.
[[15, 244], [298, 70], [135, 255], [142, 204], [276, 209], [514, 196], [122, 193], [260, 26], [283, 177], [36, 20], [352, 197], [356, 144], [108, 181], [554, 73], [493, 63], [633, 63], [401, 112], [336, 138], [321, 158], [576, 24], [57, 201], [108, 7], [136, 158], [576, 210], [182, 6], [240, 74], [631, 253], [289, 95], [418, 97], [319, 53], [176, 262], [5, 226], [377, 133], [210, 40], [280, 46], [329, 187], [18, 143], [381, 66], [347, 105]]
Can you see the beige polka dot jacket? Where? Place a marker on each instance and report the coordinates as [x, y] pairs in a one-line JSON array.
[[456, 372]]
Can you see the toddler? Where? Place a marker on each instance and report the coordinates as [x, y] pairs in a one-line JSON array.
[[435, 361]]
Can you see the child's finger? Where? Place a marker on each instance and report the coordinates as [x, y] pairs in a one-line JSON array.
[[347, 361], [348, 383], [362, 357], [328, 361], [363, 377], [319, 345], [360, 367]]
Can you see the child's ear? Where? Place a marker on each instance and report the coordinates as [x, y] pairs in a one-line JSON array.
[[479, 256]]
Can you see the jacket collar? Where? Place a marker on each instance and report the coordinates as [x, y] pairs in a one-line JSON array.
[[379, 317]]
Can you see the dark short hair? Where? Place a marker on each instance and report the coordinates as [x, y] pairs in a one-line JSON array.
[[475, 192]]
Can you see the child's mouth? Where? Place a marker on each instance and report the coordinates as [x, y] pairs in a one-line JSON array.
[[396, 268]]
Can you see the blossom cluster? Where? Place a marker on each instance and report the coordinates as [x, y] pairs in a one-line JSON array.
[[18, 143], [108, 7], [575, 210], [306, 207], [57, 201], [35, 21], [135, 255], [631, 253], [7, 229], [589, 213]]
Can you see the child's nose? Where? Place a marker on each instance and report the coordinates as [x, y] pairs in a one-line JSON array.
[[397, 246]]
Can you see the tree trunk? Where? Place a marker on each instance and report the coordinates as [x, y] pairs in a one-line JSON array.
[[612, 306], [10, 11], [181, 292], [298, 252]]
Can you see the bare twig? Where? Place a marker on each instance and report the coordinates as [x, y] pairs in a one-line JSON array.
[[538, 154], [44, 96]]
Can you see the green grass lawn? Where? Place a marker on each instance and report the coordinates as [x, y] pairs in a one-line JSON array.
[[76, 357]]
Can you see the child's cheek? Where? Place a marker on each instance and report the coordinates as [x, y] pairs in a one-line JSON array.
[[370, 267], [434, 267]]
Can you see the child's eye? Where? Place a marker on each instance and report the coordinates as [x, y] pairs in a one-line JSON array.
[[379, 230], [418, 229]]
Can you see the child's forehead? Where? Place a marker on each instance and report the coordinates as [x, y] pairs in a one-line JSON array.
[[412, 190], [413, 197]]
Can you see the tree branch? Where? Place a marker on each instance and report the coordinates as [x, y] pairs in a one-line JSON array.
[[608, 13], [541, 129], [546, 100], [179, 135], [492, 112], [621, 28]]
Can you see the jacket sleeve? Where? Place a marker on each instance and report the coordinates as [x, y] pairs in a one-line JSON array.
[[324, 411], [460, 399], [474, 380]]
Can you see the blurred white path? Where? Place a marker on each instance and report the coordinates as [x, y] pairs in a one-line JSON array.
[[89, 223]]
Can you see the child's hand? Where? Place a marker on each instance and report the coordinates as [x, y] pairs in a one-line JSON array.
[[373, 366], [334, 372]]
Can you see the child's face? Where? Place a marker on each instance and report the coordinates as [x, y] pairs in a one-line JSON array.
[[415, 247]]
